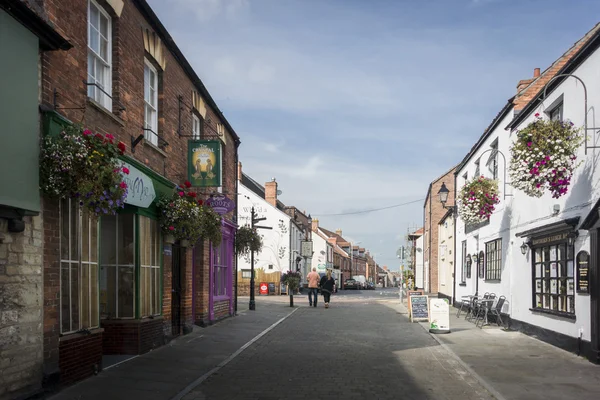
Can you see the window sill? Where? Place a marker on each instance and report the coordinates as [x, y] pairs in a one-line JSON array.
[[564, 315], [75, 335], [221, 298], [155, 148], [462, 284], [492, 280], [104, 110]]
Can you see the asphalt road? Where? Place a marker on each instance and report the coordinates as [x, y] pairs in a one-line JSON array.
[[363, 347]]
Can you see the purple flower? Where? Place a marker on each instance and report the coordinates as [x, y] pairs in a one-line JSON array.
[[97, 210]]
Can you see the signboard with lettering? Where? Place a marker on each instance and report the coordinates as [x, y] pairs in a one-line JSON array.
[[264, 288], [583, 277], [271, 288], [140, 189], [204, 163], [221, 204], [549, 239], [411, 293], [307, 248], [419, 310], [439, 316]]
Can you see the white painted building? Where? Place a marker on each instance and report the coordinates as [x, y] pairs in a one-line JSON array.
[[528, 249], [323, 252], [446, 255]]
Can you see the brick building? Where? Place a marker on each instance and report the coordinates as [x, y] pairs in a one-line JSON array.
[[114, 286], [433, 212]]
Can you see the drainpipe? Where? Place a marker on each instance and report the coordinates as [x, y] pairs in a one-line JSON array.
[[454, 218], [430, 240], [235, 218]]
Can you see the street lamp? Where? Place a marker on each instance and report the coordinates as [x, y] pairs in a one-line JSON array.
[[524, 247]]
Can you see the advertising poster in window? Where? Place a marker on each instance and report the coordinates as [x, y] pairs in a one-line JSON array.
[[204, 163]]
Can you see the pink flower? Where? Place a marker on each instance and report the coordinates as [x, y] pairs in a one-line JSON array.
[[87, 132], [180, 194], [123, 185], [537, 115], [126, 170], [110, 137], [171, 228], [529, 144]]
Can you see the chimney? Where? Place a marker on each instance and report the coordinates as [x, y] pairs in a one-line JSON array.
[[239, 170], [338, 232], [271, 192], [525, 82], [315, 225], [536, 73]]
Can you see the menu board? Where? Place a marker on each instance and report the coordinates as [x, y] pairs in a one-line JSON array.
[[583, 272], [419, 310], [412, 293], [439, 319]]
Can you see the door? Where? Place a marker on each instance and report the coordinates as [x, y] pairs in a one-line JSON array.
[[176, 290]]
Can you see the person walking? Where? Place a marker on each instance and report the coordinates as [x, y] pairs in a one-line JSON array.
[[327, 285], [313, 285]]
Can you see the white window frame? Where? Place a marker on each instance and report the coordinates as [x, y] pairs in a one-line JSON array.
[[478, 167], [93, 92], [154, 307], [492, 162], [151, 135], [196, 130], [80, 264]]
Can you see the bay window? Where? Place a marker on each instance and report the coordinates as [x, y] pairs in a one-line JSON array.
[[554, 283]]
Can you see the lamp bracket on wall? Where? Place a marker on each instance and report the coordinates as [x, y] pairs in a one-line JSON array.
[[161, 142], [136, 141], [504, 194]]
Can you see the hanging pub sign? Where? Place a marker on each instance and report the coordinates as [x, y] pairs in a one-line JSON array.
[[583, 277], [204, 163], [221, 204]]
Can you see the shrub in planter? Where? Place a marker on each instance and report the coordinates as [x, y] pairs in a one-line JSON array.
[[544, 157], [84, 166], [185, 217], [291, 279], [477, 199], [247, 240]]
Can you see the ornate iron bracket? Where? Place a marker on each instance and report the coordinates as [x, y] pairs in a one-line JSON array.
[[504, 170]]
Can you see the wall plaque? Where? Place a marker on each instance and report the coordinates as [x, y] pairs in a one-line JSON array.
[[583, 277]]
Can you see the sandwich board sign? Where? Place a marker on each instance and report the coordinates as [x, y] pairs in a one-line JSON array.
[[419, 310], [439, 316]]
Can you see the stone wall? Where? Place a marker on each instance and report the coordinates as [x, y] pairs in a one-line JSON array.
[[21, 292]]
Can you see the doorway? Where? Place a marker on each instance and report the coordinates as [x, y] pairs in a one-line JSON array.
[[176, 290]]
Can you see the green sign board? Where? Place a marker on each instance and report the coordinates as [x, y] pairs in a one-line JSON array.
[[204, 163]]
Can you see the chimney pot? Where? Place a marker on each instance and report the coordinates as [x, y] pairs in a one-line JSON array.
[[536, 72], [339, 232], [315, 224]]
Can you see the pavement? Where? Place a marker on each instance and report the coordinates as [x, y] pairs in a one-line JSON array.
[[364, 346]]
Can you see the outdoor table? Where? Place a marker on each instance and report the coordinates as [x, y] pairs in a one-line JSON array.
[[463, 299], [486, 307]]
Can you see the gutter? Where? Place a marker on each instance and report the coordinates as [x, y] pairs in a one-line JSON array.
[[454, 218]]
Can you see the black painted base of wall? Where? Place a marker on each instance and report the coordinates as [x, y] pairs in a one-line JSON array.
[[444, 296], [574, 345]]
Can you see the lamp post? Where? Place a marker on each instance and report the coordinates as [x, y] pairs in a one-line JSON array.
[[253, 221]]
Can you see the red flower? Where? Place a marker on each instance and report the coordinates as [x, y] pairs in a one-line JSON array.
[[87, 132], [171, 228], [123, 185], [180, 194], [122, 147], [200, 202], [126, 170], [98, 136], [537, 115], [187, 184], [191, 194], [110, 137]]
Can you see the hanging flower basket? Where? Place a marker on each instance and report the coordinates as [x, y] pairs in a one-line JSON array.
[[477, 199], [291, 279], [84, 166], [544, 157], [247, 240], [187, 218]]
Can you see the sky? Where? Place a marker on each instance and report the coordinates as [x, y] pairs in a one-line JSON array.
[[355, 105]]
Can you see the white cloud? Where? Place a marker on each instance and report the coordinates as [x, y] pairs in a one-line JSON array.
[[207, 10]]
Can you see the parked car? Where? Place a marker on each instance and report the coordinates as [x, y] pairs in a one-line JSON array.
[[351, 284], [370, 286]]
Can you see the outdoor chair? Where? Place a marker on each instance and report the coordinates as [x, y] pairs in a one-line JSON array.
[[465, 302], [483, 309], [472, 308], [496, 311]]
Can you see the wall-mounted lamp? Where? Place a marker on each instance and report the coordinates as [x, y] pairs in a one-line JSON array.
[[524, 248], [136, 141], [474, 256], [571, 237]]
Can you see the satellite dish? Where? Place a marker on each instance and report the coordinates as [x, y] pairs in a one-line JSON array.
[[279, 192]]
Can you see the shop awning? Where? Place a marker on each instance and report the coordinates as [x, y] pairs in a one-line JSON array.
[[556, 227]]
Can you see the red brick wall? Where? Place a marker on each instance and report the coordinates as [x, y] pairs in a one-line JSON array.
[[65, 71], [221, 309], [80, 356], [431, 223], [132, 336]]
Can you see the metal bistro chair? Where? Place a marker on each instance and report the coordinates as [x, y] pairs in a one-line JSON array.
[[474, 306], [484, 308], [497, 311], [465, 301]]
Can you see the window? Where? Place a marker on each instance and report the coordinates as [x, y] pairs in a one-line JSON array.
[[117, 266], [477, 169], [553, 285], [493, 259], [196, 128], [149, 267], [150, 103], [463, 272], [465, 177], [78, 268], [99, 55], [246, 274], [556, 113], [492, 162], [221, 268]]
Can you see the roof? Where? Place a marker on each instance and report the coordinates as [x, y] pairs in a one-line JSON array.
[[25, 14], [527, 99], [434, 181], [334, 235], [258, 189], [152, 18], [341, 252]]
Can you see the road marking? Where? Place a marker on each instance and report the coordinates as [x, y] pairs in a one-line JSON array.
[[204, 377], [120, 362], [197, 337]]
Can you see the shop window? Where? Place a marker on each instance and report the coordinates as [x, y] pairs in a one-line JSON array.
[[221, 264], [150, 273], [196, 127], [99, 74], [554, 284], [150, 103], [117, 266], [493, 260], [78, 268]]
